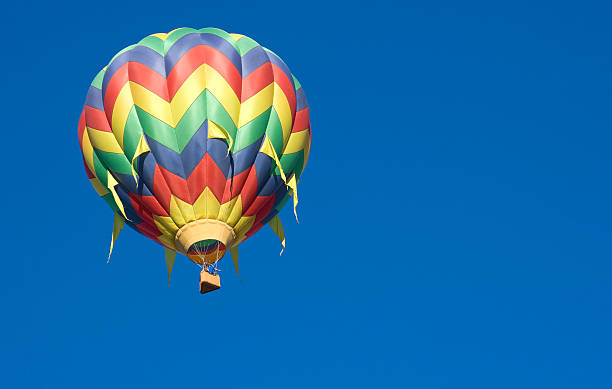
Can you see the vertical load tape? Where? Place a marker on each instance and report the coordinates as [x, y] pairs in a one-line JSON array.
[[293, 185], [234, 254], [277, 227], [216, 131], [170, 257], [268, 149], [111, 187], [142, 148], [118, 224]]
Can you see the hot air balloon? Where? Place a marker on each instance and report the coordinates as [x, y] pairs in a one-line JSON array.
[[196, 139]]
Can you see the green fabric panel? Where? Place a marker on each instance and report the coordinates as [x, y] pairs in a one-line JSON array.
[[153, 43], [131, 134], [296, 82], [299, 166], [252, 131], [293, 163], [288, 162], [100, 169], [110, 200], [191, 121], [97, 82], [220, 33], [115, 162], [219, 115], [176, 35], [274, 130], [157, 129], [245, 45]]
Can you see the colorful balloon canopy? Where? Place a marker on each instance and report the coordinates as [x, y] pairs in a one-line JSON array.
[[196, 139]]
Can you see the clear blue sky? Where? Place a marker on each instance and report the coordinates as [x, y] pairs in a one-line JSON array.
[[456, 218]]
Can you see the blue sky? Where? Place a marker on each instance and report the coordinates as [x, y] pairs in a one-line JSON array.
[[455, 219]]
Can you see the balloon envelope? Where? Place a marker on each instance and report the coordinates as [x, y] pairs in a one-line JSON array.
[[195, 138]]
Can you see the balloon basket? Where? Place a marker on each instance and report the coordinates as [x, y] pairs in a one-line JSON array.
[[209, 282]]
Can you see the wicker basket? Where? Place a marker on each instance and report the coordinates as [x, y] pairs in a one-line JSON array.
[[209, 282]]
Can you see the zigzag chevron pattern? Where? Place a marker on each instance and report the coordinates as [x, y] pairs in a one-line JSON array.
[[188, 125]]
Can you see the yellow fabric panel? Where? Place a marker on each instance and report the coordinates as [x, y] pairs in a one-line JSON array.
[[170, 257], [104, 141], [212, 205], [282, 108], [226, 209], [256, 105], [242, 227], [118, 224], [239, 239], [205, 77], [237, 37], [99, 188], [297, 142], [219, 87], [185, 209], [293, 185], [160, 35], [111, 187], [191, 88], [277, 227], [176, 212], [150, 103], [199, 206], [306, 151], [235, 254], [206, 206], [142, 148], [217, 131], [88, 152], [167, 241], [269, 150], [167, 227], [121, 110], [236, 212]]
